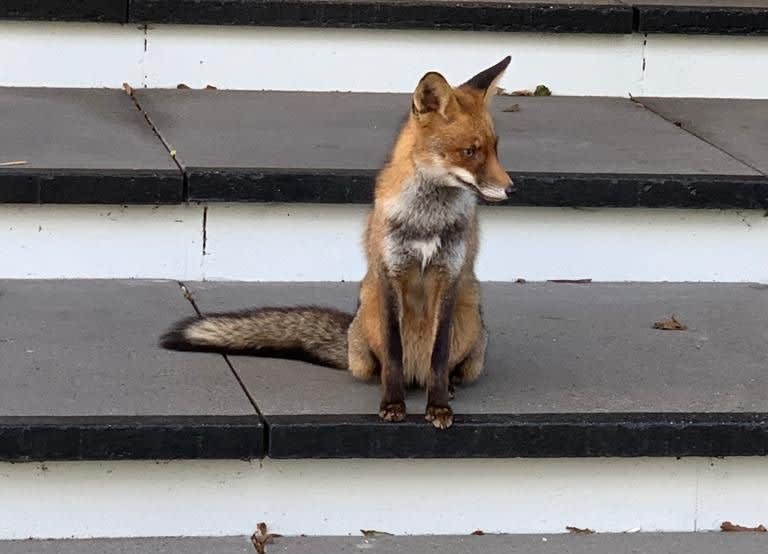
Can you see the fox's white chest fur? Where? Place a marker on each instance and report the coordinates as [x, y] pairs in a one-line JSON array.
[[427, 225]]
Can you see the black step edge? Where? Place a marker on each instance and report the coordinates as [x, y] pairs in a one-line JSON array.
[[521, 436], [712, 20], [343, 186], [112, 11], [91, 186], [573, 17], [50, 438]]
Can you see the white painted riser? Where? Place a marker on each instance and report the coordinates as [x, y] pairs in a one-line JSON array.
[[107, 55], [316, 242], [339, 497]]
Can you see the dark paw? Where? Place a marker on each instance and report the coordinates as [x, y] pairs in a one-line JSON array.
[[440, 416], [392, 411]]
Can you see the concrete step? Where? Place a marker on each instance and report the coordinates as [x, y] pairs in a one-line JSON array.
[[327, 148], [573, 370], [579, 16], [698, 543]]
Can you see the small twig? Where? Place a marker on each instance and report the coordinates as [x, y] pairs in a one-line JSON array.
[[17, 162]]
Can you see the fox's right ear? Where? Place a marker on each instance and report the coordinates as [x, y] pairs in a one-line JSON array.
[[433, 95]]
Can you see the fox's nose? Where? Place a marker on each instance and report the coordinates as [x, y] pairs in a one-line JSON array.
[[510, 190]]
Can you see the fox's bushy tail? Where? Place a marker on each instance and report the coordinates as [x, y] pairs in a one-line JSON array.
[[307, 333]]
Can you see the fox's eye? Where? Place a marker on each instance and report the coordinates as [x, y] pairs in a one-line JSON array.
[[470, 152]]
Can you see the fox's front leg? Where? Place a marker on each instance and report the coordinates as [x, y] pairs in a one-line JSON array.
[[438, 394], [392, 407]]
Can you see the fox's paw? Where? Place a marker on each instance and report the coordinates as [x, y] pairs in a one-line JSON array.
[[392, 411], [440, 416]]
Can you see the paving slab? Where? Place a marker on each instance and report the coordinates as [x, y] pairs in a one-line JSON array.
[[180, 545], [739, 128], [585, 16], [720, 17], [81, 376], [65, 10], [636, 543], [690, 543], [327, 147], [577, 364], [81, 146]]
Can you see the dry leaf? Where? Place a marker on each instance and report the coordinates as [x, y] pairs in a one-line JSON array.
[[521, 281], [728, 527], [671, 324], [373, 533], [182, 86], [512, 108], [577, 281], [478, 533], [261, 538], [210, 87], [579, 531], [522, 93], [542, 90], [9, 164], [128, 89]]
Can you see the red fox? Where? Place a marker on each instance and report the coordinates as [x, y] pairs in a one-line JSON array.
[[418, 320]]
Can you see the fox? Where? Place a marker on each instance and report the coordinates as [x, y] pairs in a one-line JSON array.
[[418, 321]]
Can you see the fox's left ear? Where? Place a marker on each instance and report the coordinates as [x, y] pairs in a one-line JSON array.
[[485, 81]]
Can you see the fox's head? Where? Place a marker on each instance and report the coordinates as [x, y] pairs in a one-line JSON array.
[[455, 138]]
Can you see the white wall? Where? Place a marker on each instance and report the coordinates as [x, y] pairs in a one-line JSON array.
[[106, 55], [338, 497], [320, 242]]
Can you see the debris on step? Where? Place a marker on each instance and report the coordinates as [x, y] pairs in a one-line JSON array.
[[128, 89], [261, 538], [572, 281], [478, 533], [17, 162], [210, 87], [368, 533], [671, 324], [512, 108], [541, 90], [579, 530], [728, 527], [182, 86], [520, 281]]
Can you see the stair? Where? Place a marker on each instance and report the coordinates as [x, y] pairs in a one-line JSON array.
[[163, 158]]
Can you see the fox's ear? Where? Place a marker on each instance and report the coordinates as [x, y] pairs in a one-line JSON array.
[[485, 81], [433, 95]]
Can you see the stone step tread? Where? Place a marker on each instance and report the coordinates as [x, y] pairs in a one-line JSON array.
[[572, 370], [742, 17], [327, 147], [631, 543]]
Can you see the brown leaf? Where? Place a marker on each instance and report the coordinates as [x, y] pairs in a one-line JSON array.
[[512, 108], [579, 531], [182, 86], [478, 533], [728, 527], [373, 533], [128, 89], [671, 324], [210, 87], [576, 281], [17, 162], [257, 543], [521, 281], [522, 93]]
